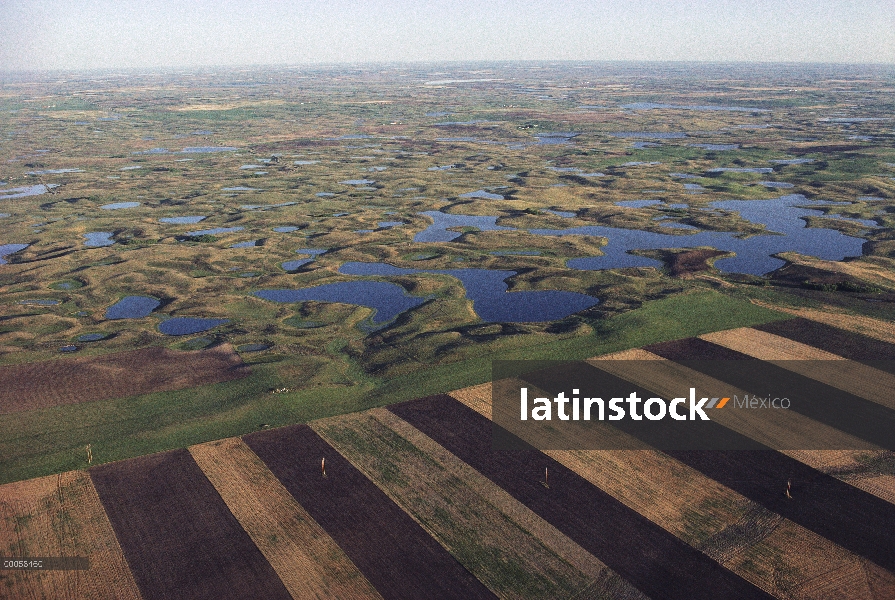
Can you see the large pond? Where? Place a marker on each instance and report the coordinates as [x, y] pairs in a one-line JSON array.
[[781, 215], [7, 249], [488, 291], [132, 307], [438, 230], [182, 220], [387, 300], [119, 205], [30, 190]]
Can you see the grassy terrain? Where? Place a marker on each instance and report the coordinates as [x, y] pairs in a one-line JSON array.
[[53, 440]]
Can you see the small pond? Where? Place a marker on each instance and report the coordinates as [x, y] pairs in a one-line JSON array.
[[132, 307]]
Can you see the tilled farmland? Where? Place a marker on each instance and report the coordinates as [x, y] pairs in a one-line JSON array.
[[412, 501]]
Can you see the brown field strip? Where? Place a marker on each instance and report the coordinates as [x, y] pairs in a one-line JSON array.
[[845, 515], [833, 370], [850, 414], [667, 378], [847, 344], [743, 536], [394, 553], [37, 385], [61, 515], [490, 533], [873, 328], [178, 535], [306, 559], [650, 558]]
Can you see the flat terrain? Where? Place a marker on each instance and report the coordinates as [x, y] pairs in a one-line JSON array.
[[33, 386]]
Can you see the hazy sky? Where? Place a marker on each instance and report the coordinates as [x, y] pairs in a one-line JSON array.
[[50, 34]]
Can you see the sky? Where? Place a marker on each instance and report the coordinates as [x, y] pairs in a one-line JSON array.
[[90, 34]]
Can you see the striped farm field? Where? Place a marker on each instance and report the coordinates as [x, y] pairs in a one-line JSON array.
[[411, 500]]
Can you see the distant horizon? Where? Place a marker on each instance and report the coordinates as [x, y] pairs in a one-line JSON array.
[[76, 35], [436, 63]]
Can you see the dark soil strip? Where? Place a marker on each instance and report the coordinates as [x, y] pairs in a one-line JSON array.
[[845, 515], [836, 341], [179, 538], [650, 558], [399, 558], [846, 412], [37, 385]]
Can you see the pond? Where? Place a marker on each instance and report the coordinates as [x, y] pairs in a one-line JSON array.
[[388, 224], [119, 205], [98, 239], [292, 265], [30, 190], [253, 347], [208, 149], [132, 307], [241, 188], [54, 171], [638, 203], [92, 337], [387, 300], [482, 194], [651, 135], [183, 220], [358, 182], [741, 170], [437, 231], [776, 184], [41, 302], [488, 291], [214, 231], [781, 215], [247, 244], [7, 249], [188, 325], [560, 213]]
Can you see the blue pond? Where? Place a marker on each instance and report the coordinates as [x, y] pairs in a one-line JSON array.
[[741, 170], [120, 205], [651, 135], [388, 300], [482, 194], [358, 182], [488, 291], [7, 249], [287, 229], [98, 239], [637, 203], [241, 188], [776, 184], [188, 325], [203, 149], [182, 220], [248, 244], [292, 265], [41, 302], [560, 213], [437, 231], [21, 192], [132, 307], [213, 231], [387, 224], [91, 337], [782, 215]]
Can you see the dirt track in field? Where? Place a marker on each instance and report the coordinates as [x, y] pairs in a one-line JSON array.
[[38, 385], [394, 553], [650, 558], [307, 560], [179, 538]]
